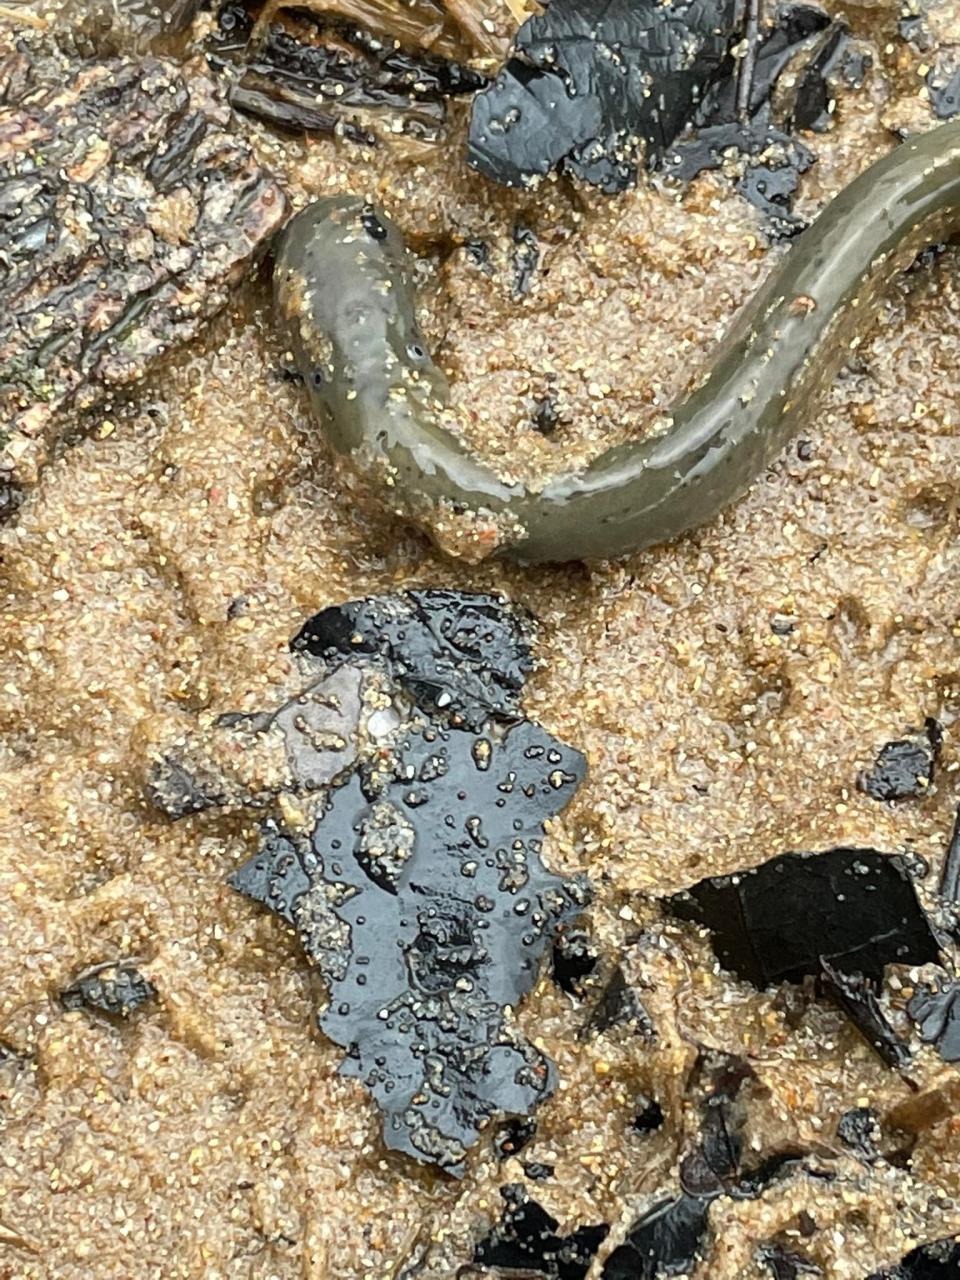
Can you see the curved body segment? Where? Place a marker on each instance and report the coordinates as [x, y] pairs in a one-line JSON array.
[[343, 286]]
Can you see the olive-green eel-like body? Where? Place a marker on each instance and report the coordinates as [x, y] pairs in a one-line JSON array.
[[343, 286]]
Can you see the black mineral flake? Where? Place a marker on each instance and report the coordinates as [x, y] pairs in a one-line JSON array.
[[596, 88], [593, 81], [905, 767], [935, 1008], [857, 997], [667, 1240], [777, 922], [421, 897], [525, 1240], [115, 989], [459, 653]]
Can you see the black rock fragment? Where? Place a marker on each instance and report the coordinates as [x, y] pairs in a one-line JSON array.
[[786, 1264], [525, 1240], [777, 922], [936, 1011], [857, 997], [937, 1261], [905, 767], [574, 959], [859, 1130], [667, 1240], [950, 876], [769, 184], [594, 88], [461, 654], [114, 988], [421, 898], [592, 82], [537, 1171], [618, 1006], [784, 86]]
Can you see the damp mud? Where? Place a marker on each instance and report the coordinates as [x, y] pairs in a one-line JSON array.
[[169, 1105]]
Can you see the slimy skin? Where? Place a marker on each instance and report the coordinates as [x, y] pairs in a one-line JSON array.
[[343, 287]]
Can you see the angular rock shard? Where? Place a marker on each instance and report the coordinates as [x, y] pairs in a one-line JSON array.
[[777, 922]]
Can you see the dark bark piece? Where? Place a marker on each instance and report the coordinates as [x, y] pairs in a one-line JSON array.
[[855, 995], [150, 20], [778, 922], [526, 1240], [116, 989], [347, 83], [904, 768], [141, 215]]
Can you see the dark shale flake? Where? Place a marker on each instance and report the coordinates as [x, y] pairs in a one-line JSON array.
[[425, 941], [114, 988], [667, 1240], [592, 82], [595, 88], [465, 655], [618, 1005], [299, 746], [936, 1011], [905, 767], [526, 1240], [937, 1261], [777, 922], [856, 996]]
